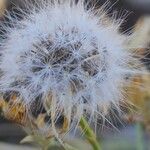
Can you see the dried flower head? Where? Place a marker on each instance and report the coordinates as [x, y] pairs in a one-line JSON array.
[[71, 58], [2, 7]]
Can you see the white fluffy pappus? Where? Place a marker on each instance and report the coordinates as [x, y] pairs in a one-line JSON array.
[[72, 57]]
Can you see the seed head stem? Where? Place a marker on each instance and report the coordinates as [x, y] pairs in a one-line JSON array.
[[89, 134]]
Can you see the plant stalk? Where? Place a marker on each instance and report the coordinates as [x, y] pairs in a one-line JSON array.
[[89, 134]]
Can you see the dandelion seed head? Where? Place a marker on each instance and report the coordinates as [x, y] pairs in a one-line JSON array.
[[65, 50]]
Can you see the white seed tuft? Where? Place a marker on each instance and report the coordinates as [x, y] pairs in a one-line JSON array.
[[73, 56]]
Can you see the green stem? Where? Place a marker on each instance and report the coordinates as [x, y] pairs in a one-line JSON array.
[[89, 134]]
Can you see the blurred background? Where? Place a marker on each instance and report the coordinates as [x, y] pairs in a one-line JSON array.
[[131, 130]]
